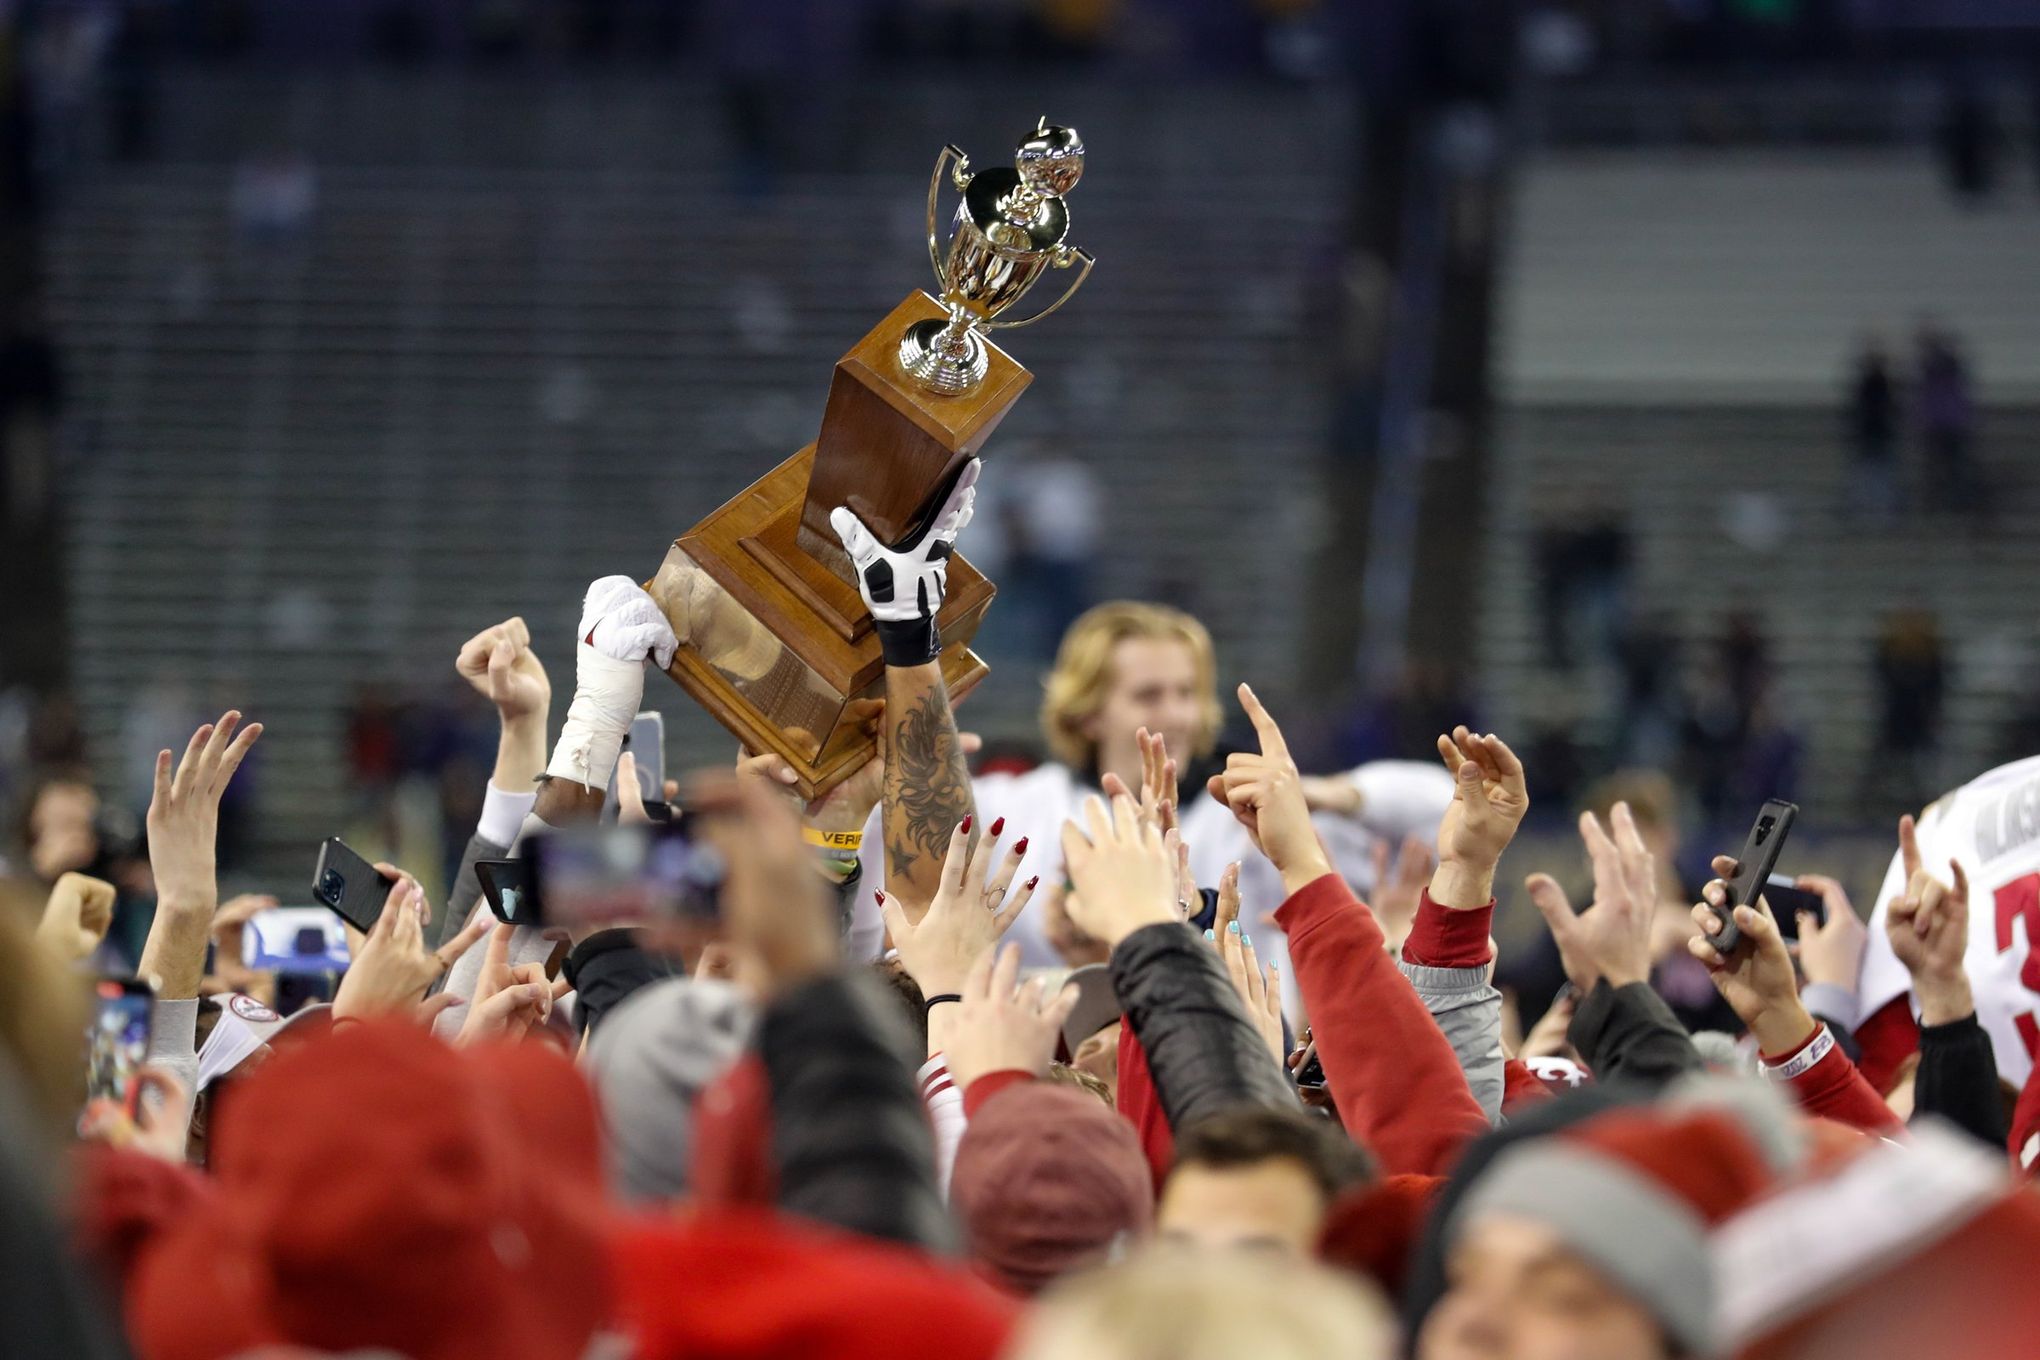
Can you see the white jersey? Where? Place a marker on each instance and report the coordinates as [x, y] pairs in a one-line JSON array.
[[1991, 825], [1397, 797]]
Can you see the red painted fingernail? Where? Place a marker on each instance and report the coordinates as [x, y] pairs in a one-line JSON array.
[[1033, 883], [1021, 848], [965, 828], [998, 826], [881, 896]]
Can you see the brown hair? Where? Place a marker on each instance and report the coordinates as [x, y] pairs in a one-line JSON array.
[[1075, 689], [1258, 1133], [1652, 799]]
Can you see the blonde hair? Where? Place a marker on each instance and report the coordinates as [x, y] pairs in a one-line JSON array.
[[1075, 689], [1166, 1304]]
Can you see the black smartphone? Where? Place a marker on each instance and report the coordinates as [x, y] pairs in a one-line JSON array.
[[350, 885], [117, 1041], [1753, 867], [505, 889], [592, 876], [1788, 899]]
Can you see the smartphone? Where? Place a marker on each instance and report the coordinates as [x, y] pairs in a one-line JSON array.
[[592, 876], [504, 888], [349, 885], [1310, 1073], [117, 1041], [1788, 899], [646, 741], [294, 940], [1754, 866]]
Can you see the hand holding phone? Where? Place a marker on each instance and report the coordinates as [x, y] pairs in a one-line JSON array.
[[117, 1042], [348, 884], [1753, 868]]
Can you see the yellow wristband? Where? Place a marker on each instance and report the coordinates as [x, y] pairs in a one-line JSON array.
[[833, 840]]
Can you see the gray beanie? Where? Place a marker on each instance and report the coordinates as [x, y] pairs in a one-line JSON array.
[[650, 1060]]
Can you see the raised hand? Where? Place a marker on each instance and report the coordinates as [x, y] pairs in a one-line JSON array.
[[1831, 951], [1757, 978], [392, 968], [184, 822], [184, 812], [903, 584], [621, 622], [1123, 872], [621, 626], [508, 1002], [499, 663], [1489, 798], [970, 912], [1611, 938], [1003, 1024], [1265, 794], [1157, 796], [1260, 988], [1399, 888], [1928, 925], [77, 916]]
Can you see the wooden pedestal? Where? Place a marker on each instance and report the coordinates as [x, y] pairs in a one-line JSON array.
[[775, 641]]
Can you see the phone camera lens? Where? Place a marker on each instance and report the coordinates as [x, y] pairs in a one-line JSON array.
[[331, 885], [311, 940]]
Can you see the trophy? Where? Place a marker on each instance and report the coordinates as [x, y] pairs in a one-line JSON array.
[[775, 641]]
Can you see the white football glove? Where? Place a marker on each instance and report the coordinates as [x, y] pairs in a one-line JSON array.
[[620, 621], [903, 585], [620, 627]]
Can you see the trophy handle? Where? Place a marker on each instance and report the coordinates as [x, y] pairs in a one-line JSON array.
[[1068, 293], [961, 178]]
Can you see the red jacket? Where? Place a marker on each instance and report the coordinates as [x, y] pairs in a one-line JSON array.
[[1393, 1075]]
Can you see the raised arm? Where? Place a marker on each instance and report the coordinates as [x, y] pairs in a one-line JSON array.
[[621, 627], [849, 1139], [500, 664], [1756, 978], [1928, 926], [1622, 1029], [1392, 1073], [1206, 1054], [927, 783]]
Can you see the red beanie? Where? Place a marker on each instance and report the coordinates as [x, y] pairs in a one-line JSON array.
[[1373, 1229], [359, 1174], [1048, 1180], [1637, 1193], [1904, 1250]]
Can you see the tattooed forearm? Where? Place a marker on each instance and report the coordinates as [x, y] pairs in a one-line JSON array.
[[927, 783]]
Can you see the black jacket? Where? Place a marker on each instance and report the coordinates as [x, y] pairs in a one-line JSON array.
[[1958, 1080], [1205, 1054], [850, 1140], [1629, 1034]]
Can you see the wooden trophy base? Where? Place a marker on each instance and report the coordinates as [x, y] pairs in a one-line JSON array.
[[775, 641], [778, 649]]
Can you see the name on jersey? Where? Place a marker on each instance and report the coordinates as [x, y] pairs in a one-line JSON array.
[[2009, 821]]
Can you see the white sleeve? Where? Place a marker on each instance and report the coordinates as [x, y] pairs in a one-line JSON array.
[[1399, 798], [945, 1112], [173, 1041], [866, 938], [503, 815]]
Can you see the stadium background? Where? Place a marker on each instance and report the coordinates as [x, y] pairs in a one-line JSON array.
[[1447, 358]]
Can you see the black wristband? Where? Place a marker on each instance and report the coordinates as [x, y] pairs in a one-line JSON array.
[[912, 642], [928, 1006]]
